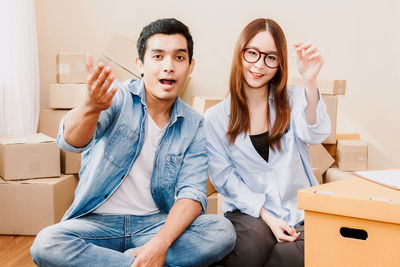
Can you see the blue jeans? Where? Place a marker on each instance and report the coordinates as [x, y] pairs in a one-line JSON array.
[[101, 240]]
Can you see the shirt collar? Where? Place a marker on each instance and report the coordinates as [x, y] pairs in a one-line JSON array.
[[136, 87]]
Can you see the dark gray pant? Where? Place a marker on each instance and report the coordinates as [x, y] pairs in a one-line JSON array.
[[256, 245]]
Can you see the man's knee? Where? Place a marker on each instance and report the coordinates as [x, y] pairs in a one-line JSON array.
[[220, 230], [38, 248], [41, 249]]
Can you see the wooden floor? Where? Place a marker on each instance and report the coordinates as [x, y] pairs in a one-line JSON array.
[[15, 251]]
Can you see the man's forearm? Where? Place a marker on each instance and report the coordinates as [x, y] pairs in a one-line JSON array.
[[181, 215], [79, 126]]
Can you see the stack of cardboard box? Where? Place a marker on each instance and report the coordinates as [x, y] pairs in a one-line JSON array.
[[33, 195], [347, 151], [321, 157], [67, 94]]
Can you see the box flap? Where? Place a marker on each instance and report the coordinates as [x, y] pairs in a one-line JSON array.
[[353, 197], [320, 158], [25, 139], [49, 181]]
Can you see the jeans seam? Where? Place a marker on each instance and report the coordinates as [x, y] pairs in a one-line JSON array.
[[127, 229], [99, 238]]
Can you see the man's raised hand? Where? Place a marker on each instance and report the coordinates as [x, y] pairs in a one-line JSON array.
[[99, 97]]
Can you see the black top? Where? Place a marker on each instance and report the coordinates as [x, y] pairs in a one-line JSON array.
[[260, 143]]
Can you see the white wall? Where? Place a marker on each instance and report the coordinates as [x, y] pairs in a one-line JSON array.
[[360, 42]]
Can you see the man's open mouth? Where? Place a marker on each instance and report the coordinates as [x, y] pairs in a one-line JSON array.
[[167, 81]]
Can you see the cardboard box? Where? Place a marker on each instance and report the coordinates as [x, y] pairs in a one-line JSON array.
[[214, 204], [66, 96], [28, 206], [348, 136], [70, 162], [329, 87], [71, 68], [210, 187], [123, 52], [318, 174], [335, 174], [120, 73], [49, 120], [29, 156], [332, 148], [202, 103], [320, 158], [352, 155], [351, 222], [331, 102]]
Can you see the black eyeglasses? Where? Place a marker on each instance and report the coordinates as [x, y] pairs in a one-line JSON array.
[[252, 55]]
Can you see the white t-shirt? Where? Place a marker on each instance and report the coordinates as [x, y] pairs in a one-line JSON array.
[[133, 196]]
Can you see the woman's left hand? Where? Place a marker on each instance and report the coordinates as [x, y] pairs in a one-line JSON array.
[[309, 60]]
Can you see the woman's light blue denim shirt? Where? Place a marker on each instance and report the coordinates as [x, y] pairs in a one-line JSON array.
[[246, 180], [180, 166]]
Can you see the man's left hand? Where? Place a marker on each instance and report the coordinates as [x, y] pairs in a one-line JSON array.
[[151, 254]]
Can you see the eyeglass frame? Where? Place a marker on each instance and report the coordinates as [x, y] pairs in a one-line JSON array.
[[260, 54]]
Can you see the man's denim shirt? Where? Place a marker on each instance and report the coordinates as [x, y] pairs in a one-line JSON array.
[[180, 166]]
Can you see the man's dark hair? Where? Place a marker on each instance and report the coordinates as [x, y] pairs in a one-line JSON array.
[[164, 26]]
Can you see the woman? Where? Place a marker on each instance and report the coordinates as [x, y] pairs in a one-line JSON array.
[[258, 145]]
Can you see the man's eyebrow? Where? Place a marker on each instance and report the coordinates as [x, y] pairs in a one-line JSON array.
[[176, 50], [157, 50], [181, 50]]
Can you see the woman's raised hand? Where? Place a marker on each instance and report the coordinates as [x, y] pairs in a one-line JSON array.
[[309, 60]]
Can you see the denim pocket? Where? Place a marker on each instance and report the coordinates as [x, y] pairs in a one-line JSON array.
[[172, 166], [119, 150]]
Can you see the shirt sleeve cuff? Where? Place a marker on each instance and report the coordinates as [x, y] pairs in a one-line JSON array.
[[255, 208], [194, 195], [64, 145]]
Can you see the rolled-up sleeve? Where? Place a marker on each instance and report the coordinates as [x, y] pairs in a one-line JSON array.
[[103, 122], [309, 133], [64, 145], [192, 178]]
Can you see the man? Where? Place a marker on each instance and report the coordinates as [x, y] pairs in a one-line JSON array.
[[144, 168]]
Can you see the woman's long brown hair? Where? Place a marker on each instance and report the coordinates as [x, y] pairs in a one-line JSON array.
[[240, 118]]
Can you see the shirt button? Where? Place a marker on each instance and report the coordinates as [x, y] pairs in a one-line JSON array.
[[155, 191]]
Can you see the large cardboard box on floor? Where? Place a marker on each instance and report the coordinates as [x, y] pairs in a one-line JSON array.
[[214, 204], [352, 155], [71, 68], [29, 156], [66, 96], [28, 206], [351, 222]]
